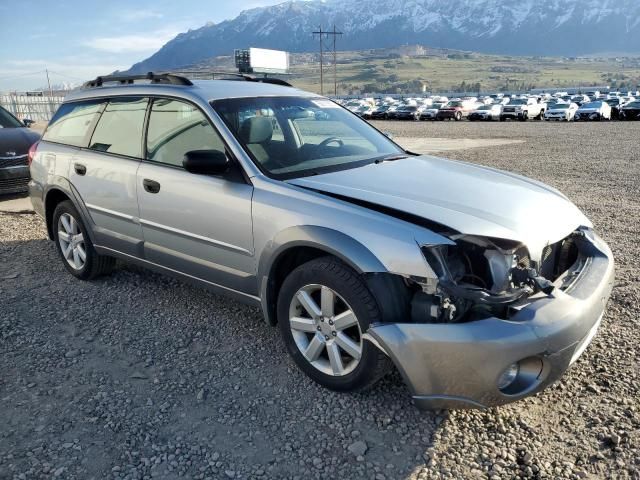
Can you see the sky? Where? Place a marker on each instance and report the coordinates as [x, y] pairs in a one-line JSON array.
[[77, 40]]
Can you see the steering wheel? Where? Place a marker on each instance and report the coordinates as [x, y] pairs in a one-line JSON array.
[[329, 140]]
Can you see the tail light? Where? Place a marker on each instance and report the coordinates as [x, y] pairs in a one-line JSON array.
[[32, 152]]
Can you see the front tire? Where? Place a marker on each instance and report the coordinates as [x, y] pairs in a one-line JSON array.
[[74, 244], [324, 308]]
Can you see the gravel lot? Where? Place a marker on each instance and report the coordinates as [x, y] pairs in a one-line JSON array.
[[138, 375]]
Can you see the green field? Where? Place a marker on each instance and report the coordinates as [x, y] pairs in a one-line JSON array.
[[358, 73]]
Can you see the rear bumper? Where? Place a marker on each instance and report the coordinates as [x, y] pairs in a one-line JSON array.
[[14, 179], [447, 114], [458, 365], [517, 115]]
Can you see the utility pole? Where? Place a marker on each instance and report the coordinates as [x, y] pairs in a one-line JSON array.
[[323, 34], [50, 93]]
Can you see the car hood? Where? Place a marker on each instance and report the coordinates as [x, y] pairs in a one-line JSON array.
[[17, 140], [468, 198]]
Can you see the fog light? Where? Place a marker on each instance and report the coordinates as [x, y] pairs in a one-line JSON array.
[[508, 376]]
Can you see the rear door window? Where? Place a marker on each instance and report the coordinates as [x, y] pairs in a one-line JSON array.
[[74, 122], [120, 127]]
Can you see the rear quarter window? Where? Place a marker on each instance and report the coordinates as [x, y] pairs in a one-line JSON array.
[[73, 123]]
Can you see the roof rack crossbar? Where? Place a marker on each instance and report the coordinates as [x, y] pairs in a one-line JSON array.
[[235, 76], [161, 78]]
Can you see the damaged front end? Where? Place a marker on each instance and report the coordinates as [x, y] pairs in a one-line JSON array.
[[482, 277], [496, 325]]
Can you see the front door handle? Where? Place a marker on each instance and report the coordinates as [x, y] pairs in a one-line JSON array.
[[79, 168], [151, 186]]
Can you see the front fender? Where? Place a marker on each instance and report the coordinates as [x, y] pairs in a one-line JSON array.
[[333, 242]]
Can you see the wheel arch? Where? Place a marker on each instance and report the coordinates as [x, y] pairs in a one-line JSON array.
[[297, 245], [60, 192]]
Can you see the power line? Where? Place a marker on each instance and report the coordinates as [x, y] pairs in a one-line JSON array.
[[20, 75], [324, 35], [67, 76]]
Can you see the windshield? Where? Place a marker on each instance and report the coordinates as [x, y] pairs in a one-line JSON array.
[[517, 101], [8, 121], [454, 104], [592, 105], [633, 105], [408, 109], [289, 137], [560, 106], [485, 107]]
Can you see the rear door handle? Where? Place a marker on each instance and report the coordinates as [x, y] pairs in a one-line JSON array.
[[151, 186], [79, 168]]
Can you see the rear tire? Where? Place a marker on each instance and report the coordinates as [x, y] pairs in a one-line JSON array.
[[324, 308], [74, 244]]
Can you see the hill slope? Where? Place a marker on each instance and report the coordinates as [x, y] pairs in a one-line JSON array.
[[520, 27]]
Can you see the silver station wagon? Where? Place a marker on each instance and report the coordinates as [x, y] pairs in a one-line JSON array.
[[482, 287]]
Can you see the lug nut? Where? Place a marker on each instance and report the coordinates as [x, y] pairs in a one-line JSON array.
[[326, 337], [330, 322], [319, 328], [334, 333]]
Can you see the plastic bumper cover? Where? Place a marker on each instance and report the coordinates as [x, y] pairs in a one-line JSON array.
[[458, 365]]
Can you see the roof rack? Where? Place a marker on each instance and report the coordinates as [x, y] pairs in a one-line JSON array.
[[179, 79], [214, 75], [161, 78]]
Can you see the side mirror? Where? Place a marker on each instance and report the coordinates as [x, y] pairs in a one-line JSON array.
[[28, 122], [206, 162]]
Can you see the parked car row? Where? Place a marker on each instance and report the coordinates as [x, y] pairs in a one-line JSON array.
[[561, 106]]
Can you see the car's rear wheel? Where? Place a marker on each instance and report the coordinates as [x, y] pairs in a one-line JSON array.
[[74, 245], [324, 309], [458, 116]]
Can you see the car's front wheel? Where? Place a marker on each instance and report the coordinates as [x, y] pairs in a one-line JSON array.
[[74, 245], [324, 309]]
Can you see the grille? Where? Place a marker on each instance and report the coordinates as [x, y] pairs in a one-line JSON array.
[[13, 161], [14, 184]]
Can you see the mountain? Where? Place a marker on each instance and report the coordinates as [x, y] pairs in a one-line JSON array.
[[513, 27]]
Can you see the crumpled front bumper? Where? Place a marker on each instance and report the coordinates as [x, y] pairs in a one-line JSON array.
[[458, 365]]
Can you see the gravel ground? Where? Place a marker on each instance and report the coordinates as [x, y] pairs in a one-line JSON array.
[[138, 375]]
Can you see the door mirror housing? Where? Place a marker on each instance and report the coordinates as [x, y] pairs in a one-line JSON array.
[[28, 122], [206, 162]]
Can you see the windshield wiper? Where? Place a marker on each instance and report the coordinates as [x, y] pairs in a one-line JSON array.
[[391, 158]]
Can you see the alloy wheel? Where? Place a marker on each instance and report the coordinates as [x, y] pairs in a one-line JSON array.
[[325, 330], [71, 241]]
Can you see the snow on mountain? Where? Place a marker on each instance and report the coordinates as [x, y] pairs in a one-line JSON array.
[[527, 27]]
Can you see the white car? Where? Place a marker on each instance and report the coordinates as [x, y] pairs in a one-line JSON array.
[[598, 110], [431, 112], [561, 112]]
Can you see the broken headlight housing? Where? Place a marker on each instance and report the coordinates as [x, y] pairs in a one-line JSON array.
[[477, 277]]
